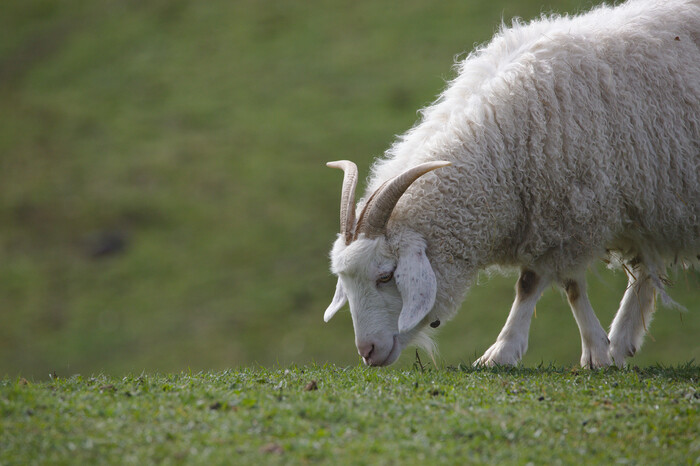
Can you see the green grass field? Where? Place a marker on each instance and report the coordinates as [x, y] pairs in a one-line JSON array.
[[357, 415], [164, 202]]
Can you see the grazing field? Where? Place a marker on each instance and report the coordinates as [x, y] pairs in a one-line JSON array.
[[164, 200], [357, 415]]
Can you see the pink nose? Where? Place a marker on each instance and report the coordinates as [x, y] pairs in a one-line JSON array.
[[365, 349]]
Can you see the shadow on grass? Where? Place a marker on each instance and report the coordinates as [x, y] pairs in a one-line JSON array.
[[689, 371]]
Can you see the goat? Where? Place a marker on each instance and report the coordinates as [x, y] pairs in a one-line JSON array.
[[561, 141]]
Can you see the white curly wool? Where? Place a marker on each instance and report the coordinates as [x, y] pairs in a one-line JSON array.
[[571, 139]]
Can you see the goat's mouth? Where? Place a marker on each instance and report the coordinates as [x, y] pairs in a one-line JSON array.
[[390, 358]]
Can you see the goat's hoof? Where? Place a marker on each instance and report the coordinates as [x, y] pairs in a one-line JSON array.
[[596, 354], [501, 353], [618, 354], [595, 359]]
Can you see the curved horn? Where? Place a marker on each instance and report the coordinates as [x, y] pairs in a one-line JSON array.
[[347, 200], [377, 211]]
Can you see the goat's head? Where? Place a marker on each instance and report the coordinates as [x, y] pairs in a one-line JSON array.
[[386, 278]]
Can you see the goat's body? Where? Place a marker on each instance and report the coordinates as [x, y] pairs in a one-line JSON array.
[[568, 138]]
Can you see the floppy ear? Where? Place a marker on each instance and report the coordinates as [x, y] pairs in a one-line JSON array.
[[339, 300], [416, 282]]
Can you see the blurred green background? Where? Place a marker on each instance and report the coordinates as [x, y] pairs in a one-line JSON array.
[[164, 203]]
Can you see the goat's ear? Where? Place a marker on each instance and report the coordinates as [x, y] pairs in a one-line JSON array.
[[339, 300], [416, 282]]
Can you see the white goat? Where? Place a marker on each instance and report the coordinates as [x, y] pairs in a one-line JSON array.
[[569, 139]]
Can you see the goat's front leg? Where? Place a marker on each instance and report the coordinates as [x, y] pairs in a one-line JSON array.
[[634, 316], [594, 341], [511, 343]]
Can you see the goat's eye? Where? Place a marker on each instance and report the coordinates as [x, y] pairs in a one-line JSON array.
[[385, 277]]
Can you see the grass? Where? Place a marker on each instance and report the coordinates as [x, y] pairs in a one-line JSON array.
[[196, 133], [357, 415]]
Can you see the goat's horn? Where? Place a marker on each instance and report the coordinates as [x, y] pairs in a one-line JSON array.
[[347, 200], [378, 208]]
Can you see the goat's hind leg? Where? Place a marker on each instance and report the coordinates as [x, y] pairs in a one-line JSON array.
[[511, 343], [594, 340], [634, 316]]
